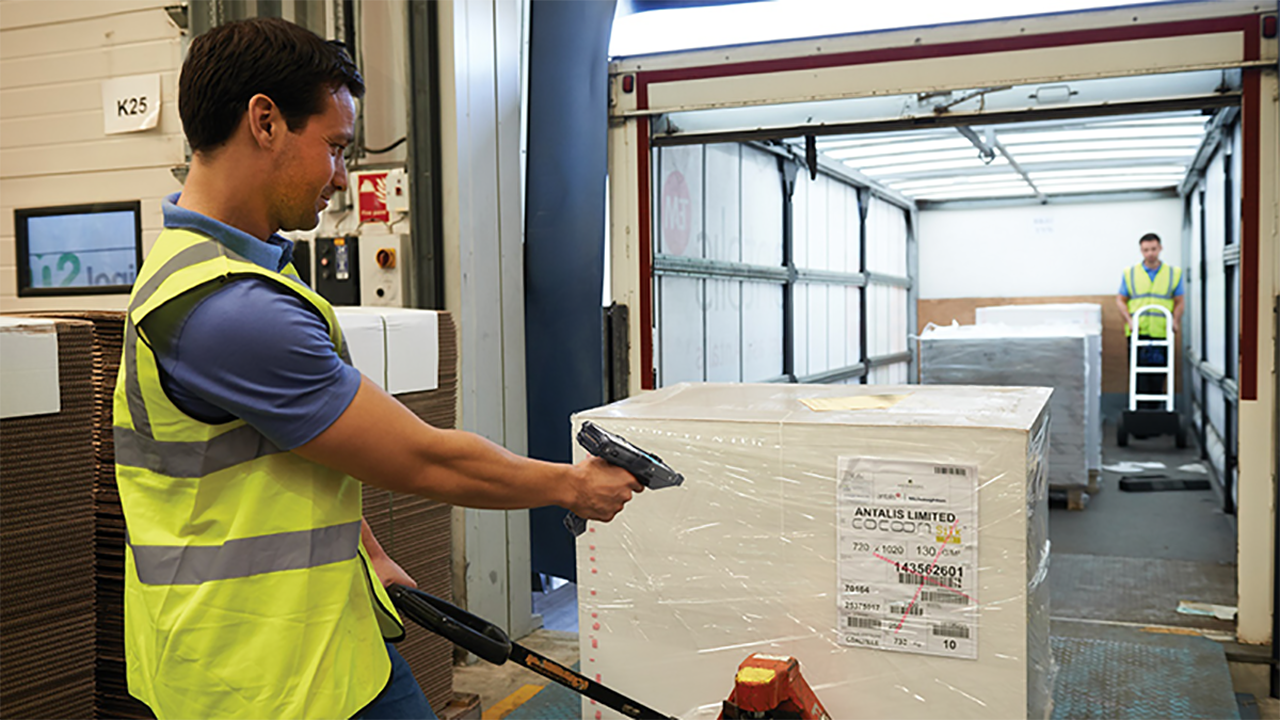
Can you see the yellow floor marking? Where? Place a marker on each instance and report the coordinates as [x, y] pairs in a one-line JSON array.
[[511, 702], [1170, 630]]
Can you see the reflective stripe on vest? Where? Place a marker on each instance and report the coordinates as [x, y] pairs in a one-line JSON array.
[[238, 554], [1144, 290], [195, 564]]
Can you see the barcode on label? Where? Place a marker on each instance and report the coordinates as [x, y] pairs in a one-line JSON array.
[[953, 631], [946, 470], [907, 578], [906, 610], [944, 597], [862, 622]]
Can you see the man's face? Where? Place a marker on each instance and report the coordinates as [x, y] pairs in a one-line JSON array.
[[1150, 252], [311, 168]]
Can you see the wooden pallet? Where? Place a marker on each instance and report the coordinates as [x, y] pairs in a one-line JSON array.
[[464, 706], [1077, 496], [1095, 481]]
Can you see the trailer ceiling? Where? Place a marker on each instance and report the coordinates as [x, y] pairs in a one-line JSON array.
[[1104, 135], [1037, 159]]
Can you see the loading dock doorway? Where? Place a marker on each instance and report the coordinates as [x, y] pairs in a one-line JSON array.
[[809, 88]]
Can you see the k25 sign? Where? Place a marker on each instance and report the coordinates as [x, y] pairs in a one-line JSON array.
[[130, 104]]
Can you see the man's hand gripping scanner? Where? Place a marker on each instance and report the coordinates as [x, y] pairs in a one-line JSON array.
[[649, 469]]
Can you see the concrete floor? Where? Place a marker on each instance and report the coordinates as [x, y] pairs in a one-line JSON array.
[[497, 683], [1251, 678]]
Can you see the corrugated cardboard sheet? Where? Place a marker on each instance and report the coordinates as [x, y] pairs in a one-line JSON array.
[[46, 531]]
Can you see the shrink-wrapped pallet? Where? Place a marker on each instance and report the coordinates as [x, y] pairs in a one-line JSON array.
[[1031, 356], [891, 538], [1089, 317]]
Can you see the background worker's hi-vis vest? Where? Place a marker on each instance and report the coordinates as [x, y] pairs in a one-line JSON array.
[[1144, 290], [248, 593]]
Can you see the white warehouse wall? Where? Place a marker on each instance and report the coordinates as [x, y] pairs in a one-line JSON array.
[[53, 59], [1040, 250]]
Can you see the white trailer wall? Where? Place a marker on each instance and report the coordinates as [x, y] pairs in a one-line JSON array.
[[825, 229], [1040, 250], [1212, 255], [53, 59], [887, 312], [724, 204]]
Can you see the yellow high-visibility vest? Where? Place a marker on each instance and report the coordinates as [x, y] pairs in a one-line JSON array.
[[248, 593], [1144, 290]]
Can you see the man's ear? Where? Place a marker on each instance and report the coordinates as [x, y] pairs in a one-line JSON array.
[[266, 124]]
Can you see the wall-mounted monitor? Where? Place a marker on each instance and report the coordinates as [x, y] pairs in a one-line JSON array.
[[78, 249]]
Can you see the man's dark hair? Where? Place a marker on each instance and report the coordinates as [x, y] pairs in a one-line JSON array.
[[1150, 236], [233, 62]]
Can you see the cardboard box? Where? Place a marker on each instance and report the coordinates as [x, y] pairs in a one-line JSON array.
[[400, 345], [28, 367]]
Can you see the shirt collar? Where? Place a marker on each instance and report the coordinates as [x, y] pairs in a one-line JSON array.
[[273, 254]]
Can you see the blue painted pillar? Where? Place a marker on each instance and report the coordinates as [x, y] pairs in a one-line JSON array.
[[564, 239]]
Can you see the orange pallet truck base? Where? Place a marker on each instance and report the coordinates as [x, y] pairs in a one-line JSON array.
[[768, 686]]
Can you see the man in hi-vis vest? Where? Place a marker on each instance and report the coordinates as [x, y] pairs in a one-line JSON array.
[[253, 586], [1151, 282]]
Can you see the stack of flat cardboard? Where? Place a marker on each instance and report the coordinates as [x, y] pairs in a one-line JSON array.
[[46, 520], [111, 693], [413, 354]]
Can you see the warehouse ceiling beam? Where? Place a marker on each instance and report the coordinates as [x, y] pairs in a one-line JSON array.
[[1215, 134], [1064, 199], [989, 170], [950, 120], [990, 147]]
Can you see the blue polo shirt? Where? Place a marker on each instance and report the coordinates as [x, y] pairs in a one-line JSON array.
[[250, 350], [1177, 291]]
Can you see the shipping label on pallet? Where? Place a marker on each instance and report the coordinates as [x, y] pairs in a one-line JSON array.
[[908, 556]]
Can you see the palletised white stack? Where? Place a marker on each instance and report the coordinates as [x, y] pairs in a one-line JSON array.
[[816, 533], [1089, 317], [1052, 356]]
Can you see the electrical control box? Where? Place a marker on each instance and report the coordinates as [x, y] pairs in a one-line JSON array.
[[386, 270], [337, 269]]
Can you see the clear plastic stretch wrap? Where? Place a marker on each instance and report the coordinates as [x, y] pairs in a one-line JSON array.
[[893, 539], [1089, 317], [1053, 356]]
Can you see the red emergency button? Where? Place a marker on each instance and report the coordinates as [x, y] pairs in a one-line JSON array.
[[386, 258]]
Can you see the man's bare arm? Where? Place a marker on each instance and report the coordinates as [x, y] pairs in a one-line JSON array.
[[1123, 303], [387, 570], [1179, 304], [380, 442]]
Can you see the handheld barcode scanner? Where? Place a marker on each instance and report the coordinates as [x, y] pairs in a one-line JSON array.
[[648, 469]]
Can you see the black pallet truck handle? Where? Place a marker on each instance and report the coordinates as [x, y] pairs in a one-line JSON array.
[[471, 633], [490, 643]]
